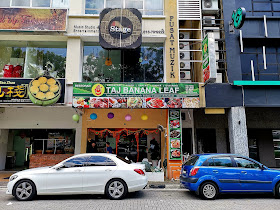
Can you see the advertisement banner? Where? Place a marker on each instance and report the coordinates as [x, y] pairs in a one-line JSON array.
[[209, 58], [175, 134], [15, 91], [136, 95], [25, 19]]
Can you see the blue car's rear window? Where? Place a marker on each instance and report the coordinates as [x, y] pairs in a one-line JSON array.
[[191, 161]]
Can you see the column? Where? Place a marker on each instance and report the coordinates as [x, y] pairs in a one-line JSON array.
[[74, 60], [4, 134], [238, 131]]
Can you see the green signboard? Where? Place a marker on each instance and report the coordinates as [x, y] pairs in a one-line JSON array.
[[136, 95], [238, 17]]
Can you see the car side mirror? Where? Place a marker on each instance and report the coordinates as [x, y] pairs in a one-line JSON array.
[[57, 167], [263, 167]]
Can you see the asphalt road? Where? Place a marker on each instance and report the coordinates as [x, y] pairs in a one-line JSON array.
[[146, 199]]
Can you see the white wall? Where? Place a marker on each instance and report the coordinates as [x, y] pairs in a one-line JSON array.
[[76, 7], [3, 147], [42, 118]]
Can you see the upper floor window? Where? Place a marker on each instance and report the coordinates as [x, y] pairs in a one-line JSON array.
[[144, 64], [35, 3], [264, 70], [260, 7], [19, 59], [146, 7]]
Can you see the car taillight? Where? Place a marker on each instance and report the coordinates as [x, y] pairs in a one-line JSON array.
[[194, 171], [139, 171]]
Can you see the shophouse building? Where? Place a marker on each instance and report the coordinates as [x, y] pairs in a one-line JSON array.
[[131, 73], [250, 91]]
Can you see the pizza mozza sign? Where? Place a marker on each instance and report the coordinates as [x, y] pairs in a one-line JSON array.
[[120, 28]]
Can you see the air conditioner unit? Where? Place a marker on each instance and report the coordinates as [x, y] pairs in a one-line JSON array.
[[184, 55], [184, 45], [219, 78], [210, 6], [184, 35], [208, 20], [185, 65], [185, 75]]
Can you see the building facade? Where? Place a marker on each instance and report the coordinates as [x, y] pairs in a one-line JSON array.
[[153, 96]]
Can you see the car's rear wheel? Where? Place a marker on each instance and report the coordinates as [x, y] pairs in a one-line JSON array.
[[116, 189], [277, 190], [208, 190], [24, 190]]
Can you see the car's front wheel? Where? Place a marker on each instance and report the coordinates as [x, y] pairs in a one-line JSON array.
[[116, 189], [208, 190], [277, 191], [24, 190]]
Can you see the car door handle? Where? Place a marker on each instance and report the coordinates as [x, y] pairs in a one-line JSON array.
[[215, 171], [243, 172], [108, 170], [78, 170]]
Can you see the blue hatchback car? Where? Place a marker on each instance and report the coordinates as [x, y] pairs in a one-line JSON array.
[[211, 174]]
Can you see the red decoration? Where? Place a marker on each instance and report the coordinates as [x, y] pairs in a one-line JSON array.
[[118, 132]]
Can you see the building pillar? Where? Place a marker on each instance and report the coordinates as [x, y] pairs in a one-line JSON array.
[[4, 136], [74, 60], [238, 131], [221, 140]]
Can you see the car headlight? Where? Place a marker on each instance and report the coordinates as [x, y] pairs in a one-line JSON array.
[[13, 177]]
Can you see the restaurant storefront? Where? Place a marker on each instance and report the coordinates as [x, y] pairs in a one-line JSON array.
[[131, 115]]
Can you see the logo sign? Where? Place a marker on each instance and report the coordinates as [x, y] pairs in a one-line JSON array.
[[98, 90], [209, 58], [238, 17], [120, 28]]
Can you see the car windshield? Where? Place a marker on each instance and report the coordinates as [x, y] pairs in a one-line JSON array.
[[191, 161], [124, 160]]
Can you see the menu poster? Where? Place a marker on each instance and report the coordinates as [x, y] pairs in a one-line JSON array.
[[175, 134]]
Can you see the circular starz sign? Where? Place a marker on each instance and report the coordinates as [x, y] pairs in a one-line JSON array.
[[120, 28]]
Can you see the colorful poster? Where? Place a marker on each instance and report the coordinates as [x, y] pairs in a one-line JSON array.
[[25, 19], [175, 134], [136, 95], [209, 58], [15, 91]]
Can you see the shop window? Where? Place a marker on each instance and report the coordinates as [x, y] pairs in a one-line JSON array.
[[100, 161], [32, 59], [144, 64], [35, 3], [146, 7]]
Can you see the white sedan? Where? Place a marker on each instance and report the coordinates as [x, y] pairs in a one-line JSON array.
[[90, 173]]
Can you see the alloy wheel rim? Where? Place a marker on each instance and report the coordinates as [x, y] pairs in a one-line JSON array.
[[24, 190], [209, 191], [116, 189]]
